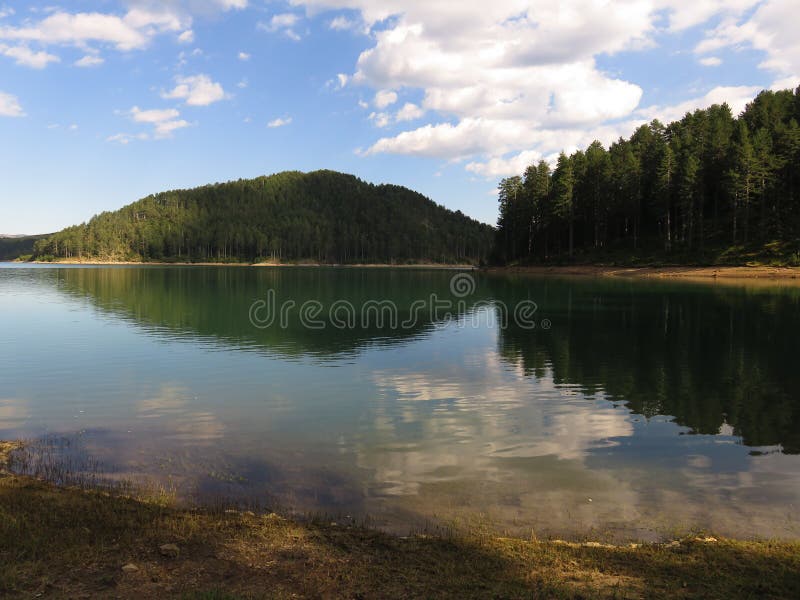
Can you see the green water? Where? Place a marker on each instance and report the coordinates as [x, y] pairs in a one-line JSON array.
[[615, 408]]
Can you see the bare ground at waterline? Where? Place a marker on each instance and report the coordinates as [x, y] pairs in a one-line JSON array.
[[57, 542], [704, 273]]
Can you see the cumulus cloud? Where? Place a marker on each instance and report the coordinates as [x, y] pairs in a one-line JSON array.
[[243, 56], [341, 23], [90, 60], [711, 61], [409, 112], [771, 28], [497, 74], [282, 23], [384, 98], [279, 122], [512, 79], [132, 30], [187, 37], [380, 119], [736, 97], [504, 167], [129, 32], [164, 121], [26, 57], [9, 106], [196, 90]]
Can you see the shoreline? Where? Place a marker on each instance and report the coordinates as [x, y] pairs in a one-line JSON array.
[[708, 273], [112, 263], [63, 541]]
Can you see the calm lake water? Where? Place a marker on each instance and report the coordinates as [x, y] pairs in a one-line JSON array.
[[619, 409]]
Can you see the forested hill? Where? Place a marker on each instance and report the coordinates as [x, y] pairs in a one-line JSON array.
[[13, 247], [710, 188], [321, 216]]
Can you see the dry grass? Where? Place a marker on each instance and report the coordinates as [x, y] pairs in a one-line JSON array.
[[69, 542]]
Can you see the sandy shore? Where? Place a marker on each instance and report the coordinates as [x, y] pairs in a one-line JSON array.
[[788, 274]]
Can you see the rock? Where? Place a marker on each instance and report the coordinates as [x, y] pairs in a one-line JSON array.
[[707, 539], [130, 568], [169, 550], [673, 544]]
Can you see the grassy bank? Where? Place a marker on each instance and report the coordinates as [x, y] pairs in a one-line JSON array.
[[67, 542]]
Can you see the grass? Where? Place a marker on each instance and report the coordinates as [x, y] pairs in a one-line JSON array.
[[58, 541]]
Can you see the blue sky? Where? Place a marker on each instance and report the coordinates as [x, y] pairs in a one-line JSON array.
[[104, 102]]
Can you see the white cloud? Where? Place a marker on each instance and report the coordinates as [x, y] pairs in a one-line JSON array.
[[243, 56], [280, 122], [736, 97], [187, 37], [508, 80], [196, 90], [409, 112], [502, 76], [133, 31], [711, 61], [341, 23], [125, 138], [9, 106], [380, 119], [771, 28], [90, 60], [384, 98], [786, 83], [164, 121], [284, 23], [683, 14], [155, 115], [243, 83], [26, 57], [503, 167]]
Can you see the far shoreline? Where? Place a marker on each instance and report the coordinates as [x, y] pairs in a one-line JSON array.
[[707, 273], [698, 273], [113, 263]]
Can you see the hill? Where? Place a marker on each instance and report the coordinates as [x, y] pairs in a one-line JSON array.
[[322, 216], [15, 246]]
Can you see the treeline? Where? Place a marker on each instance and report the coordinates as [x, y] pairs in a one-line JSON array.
[[321, 216], [702, 188], [12, 248]]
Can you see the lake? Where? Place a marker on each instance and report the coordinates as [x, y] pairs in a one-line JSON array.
[[572, 407]]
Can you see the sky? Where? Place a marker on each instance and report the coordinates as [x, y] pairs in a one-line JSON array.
[[103, 102]]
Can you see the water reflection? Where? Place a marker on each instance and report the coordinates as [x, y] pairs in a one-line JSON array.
[[640, 412]]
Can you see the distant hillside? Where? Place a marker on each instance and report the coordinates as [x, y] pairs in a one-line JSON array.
[[321, 216], [12, 247]]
